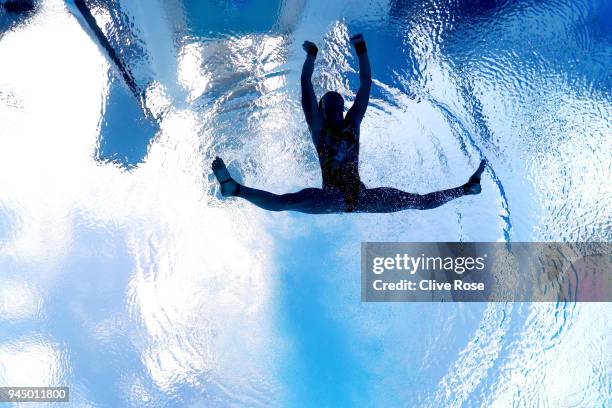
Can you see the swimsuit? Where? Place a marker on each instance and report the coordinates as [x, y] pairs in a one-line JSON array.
[[338, 152]]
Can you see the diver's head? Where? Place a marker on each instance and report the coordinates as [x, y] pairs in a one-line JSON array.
[[332, 108]]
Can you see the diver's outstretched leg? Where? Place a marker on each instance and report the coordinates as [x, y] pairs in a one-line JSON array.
[[473, 184], [308, 200], [387, 199]]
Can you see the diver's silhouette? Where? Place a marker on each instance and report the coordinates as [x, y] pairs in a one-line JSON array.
[[336, 139]]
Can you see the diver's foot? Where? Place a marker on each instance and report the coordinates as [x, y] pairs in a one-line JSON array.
[[473, 184], [229, 187]]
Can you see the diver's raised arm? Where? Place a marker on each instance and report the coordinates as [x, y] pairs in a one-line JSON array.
[[357, 111], [309, 99]]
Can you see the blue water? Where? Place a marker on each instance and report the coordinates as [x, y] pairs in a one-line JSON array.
[[124, 276]]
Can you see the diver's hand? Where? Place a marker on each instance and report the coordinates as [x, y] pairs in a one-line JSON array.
[[359, 44], [356, 39], [310, 48]]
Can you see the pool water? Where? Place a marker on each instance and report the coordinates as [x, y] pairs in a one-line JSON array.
[[124, 276]]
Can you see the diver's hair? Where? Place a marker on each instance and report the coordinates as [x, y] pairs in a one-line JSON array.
[[330, 94]]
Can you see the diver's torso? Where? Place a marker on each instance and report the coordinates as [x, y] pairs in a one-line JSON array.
[[338, 151]]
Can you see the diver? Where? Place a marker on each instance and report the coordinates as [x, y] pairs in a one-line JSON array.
[[336, 139]]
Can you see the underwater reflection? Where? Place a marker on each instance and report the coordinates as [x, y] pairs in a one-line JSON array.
[[14, 13]]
